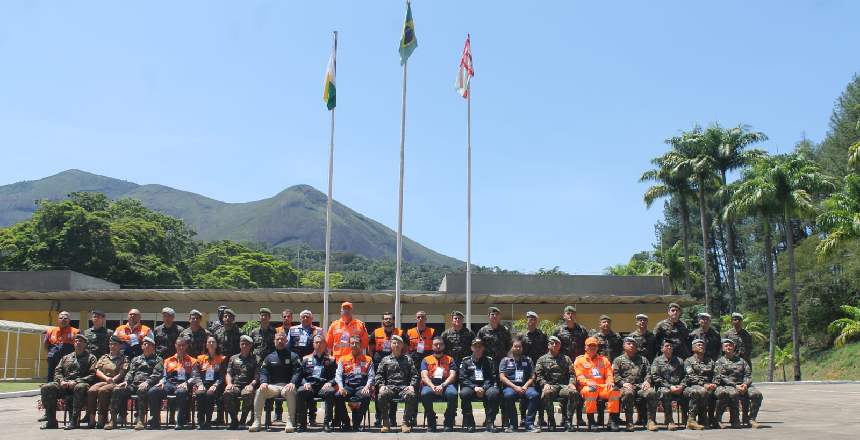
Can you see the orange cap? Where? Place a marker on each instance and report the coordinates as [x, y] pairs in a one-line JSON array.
[[346, 305], [591, 341]]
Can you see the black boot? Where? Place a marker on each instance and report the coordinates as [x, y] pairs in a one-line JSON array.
[[614, 421], [431, 423], [592, 425]]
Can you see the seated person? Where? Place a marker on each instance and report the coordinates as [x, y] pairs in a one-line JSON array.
[[110, 370], [439, 380], [668, 374], [240, 382], [354, 380], [734, 382], [72, 377], [477, 375], [516, 374], [178, 374], [700, 387], [144, 371], [317, 380], [552, 377], [632, 374], [397, 376], [596, 382], [279, 374], [209, 382]]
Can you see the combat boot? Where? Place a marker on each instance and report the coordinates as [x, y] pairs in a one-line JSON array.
[[692, 424], [671, 426], [651, 426], [592, 425], [754, 424], [614, 421]]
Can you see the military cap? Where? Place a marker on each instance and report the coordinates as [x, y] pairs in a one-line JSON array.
[[606, 317], [169, 311], [631, 339], [477, 341], [115, 339], [265, 310], [704, 315], [81, 337], [729, 341], [396, 338], [195, 312], [555, 339], [149, 338], [246, 338], [98, 312], [737, 315], [673, 306], [493, 309], [591, 340], [642, 316], [698, 341], [570, 308], [222, 307], [230, 312], [531, 314], [458, 313]]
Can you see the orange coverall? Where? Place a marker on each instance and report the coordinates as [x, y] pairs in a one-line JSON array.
[[599, 370]]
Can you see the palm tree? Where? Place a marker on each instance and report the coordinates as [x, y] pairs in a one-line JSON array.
[[785, 185], [840, 216], [672, 183], [694, 154], [847, 328], [732, 155], [782, 357]]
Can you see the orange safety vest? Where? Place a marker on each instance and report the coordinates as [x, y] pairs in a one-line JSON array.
[[204, 363], [381, 341], [597, 369], [57, 335], [179, 369], [132, 336], [339, 333], [420, 343], [437, 369]]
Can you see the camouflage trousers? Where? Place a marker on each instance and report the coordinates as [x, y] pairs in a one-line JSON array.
[[51, 392]]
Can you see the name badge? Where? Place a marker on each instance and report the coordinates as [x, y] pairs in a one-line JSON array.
[[133, 339], [210, 374], [518, 375], [344, 337], [479, 375], [303, 339], [420, 347], [439, 373], [386, 346], [180, 373], [595, 372], [318, 370]]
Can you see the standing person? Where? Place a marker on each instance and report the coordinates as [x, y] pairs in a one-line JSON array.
[[479, 381], [339, 332], [397, 376], [98, 336], [300, 341], [572, 336], [240, 381], [439, 380], [59, 341], [214, 324], [495, 336], [516, 375], [645, 339], [552, 373], [279, 374], [419, 338], [708, 335], [734, 382], [195, 334], [132, 333], [380, 346], [674, 330], [535, 341], [229, 334], [110, 370], [286, 320], [209, 383], [700, 387], [167, 333], [741, 337], [144, 372], [354, 379], [457, 338], [318, 371], [73, 375], [264, 335], [668, 374], [632, 374], [596, 382], [177, 381], [609, 343]]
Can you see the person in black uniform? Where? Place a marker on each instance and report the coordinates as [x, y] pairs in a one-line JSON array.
[[479, 381]]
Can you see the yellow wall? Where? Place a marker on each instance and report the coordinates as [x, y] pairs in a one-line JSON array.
[[29, 345]]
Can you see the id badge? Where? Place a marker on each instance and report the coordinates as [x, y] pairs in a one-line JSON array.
[[210, 374], [318, 370], [386, 346], [303, 339], [518, 375], [439, 373], [180, 373], [133, 339], [479, 375], [595, 373], [420, 347], [344, 337]]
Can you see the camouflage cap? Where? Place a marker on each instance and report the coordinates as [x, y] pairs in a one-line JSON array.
[[631, 339], [606, 317], [396, 338], [265, 310], [98, 312], [555, 339], [673, 306], [704, 315], [570, 308], [698, 341], [458, 313], [230, 312], [725, 340], [246, 338], [477, 341], [737, 315], [194, 312], [531, 314], [149, 339], [222, 307], [81, 337], [169, 311], [493, 309], [642, 316]]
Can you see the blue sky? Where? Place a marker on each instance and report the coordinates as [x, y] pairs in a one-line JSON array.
[[570, 101]]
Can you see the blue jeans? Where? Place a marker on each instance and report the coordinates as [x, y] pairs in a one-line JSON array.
[[449, 394], [510, 397], [157, 394]]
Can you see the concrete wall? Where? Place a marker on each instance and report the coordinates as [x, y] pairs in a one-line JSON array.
[[580, 285], [52, 280]]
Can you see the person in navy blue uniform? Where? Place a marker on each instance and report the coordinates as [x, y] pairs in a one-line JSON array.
[[517, 376], [478, 378], [317, 380]]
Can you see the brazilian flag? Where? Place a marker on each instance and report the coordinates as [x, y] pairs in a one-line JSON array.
[[408, 42]]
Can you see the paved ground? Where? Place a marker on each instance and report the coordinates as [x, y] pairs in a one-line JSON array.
[[803, 411]]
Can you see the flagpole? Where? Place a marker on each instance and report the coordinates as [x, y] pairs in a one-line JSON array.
[[400, 204], [326, 286], [469, 208]]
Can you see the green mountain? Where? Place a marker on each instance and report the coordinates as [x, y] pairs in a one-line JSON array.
[[294, 216]]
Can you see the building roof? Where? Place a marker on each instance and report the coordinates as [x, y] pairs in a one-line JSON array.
[[46, 280], [576, 285], [23, 327]]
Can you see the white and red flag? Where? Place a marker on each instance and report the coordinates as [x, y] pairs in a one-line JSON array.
[[466, 71]]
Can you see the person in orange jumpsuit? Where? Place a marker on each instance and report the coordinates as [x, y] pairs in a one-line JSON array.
[[595, 380]]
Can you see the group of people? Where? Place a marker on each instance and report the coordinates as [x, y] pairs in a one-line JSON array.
[[219, 370]]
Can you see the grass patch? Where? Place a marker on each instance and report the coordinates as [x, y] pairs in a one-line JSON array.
[[8, 387], [829, 364]]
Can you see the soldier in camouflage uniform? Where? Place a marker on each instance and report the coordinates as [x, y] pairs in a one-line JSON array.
[[396, 375], [98, 336], [733, 377], [645, 339], [228, 334], [240, 380], [73, 376], [264, 336], [535, 343], [709, 336], [167, 333], [552, 379], [673, 329], [458, 338], [144, 371], [496, 338], [609, 342], [632, 374], [700, 387], [196, 334], [741, 337], [668, 374], [214, 324], [572, 336]]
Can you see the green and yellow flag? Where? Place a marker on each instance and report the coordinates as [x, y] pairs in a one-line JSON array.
[[408, 42], [330, 91]]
